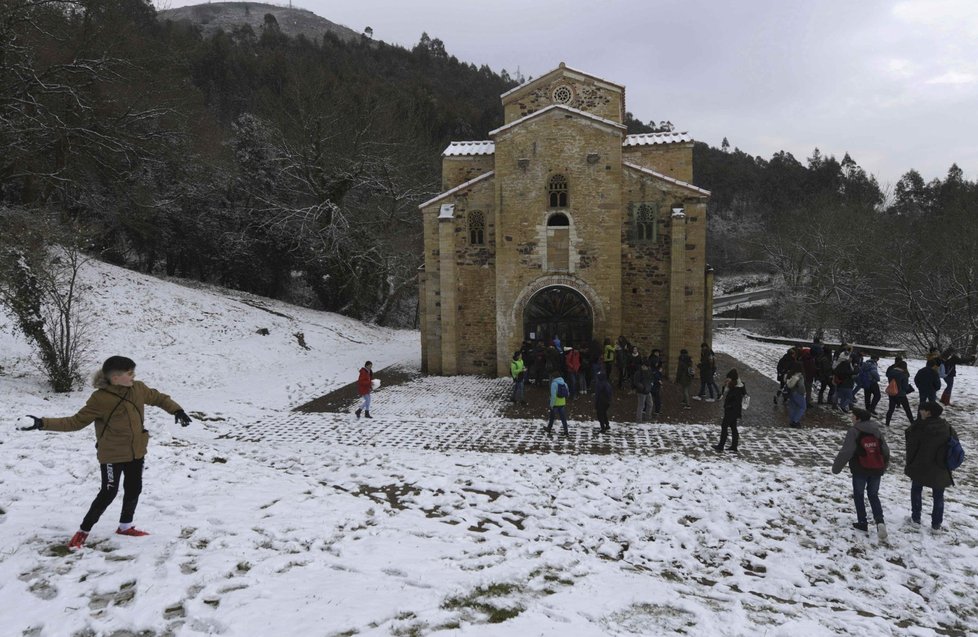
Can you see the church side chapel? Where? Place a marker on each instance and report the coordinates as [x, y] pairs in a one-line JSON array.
[[563, 225]]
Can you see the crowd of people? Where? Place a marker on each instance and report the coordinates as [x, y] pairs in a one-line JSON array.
[[569, 372], [817, 374]]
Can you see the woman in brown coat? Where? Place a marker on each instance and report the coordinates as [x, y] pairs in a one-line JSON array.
[[116, 408]]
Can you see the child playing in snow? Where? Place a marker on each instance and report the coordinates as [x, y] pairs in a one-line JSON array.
[[365, 387], [116, 408]]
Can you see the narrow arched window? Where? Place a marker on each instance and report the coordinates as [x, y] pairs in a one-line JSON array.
[[645, 222], [558, 191], [558, 242], [477, 228]]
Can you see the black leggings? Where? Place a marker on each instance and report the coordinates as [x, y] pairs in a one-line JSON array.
[[896, 401], [132, 484]]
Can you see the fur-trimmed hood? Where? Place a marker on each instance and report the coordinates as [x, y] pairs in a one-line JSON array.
[[99, 380]]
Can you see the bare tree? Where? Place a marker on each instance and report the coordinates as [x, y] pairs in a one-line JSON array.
[[40, 286]]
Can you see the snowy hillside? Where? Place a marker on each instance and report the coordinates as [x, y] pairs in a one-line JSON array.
[[268, 522]]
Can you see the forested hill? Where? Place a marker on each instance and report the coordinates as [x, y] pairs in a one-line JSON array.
[[292, 166], [228, 16]]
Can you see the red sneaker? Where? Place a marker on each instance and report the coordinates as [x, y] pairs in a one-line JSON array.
[[131, 532], [77, 540]]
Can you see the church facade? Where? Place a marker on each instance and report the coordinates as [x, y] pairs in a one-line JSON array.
[[561, 224]]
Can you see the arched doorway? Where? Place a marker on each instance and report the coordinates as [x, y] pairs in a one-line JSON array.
[[558, 311]]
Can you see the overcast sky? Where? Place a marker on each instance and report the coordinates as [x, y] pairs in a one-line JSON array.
[[893, 83]]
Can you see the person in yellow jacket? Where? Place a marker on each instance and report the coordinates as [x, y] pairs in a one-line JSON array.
[[517, 369], [116, 408]]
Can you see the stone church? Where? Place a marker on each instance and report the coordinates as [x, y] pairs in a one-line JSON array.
[[562, 224]]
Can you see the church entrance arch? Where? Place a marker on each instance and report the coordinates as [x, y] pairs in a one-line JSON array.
[[558, 310]]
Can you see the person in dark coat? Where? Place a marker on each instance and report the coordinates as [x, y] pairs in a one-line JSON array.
[[951, 362], [844, 382], [642, 384], [708, 369], [870, 375], [928, 381], [808, 366], [734, 390], [785, 364], [864, 480], [657, 376], [926, 461], [897, 375], [602, 400], [823, 374]]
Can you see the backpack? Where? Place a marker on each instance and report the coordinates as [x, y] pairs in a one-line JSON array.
[[892, 388], [869, 452], [562, 391], [955, 454], [863, 379]]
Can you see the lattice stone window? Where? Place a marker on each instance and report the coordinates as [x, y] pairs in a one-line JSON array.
[[646, 228], [477, 228], [563, 94], [558, 191]]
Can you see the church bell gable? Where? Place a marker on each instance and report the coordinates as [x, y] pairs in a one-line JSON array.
[[569, 87]]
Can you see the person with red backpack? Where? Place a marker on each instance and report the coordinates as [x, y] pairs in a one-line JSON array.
[[868, 456]]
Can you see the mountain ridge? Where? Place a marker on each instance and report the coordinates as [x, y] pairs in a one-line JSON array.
[[211, 17]]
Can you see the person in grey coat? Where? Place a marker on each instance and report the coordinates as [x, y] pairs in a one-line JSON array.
[[927, 461], [864, 480]]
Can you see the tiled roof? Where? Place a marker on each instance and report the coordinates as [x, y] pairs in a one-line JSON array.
[[458, 188], [667, 178], [648, 139], [470, 148], [561, 107]]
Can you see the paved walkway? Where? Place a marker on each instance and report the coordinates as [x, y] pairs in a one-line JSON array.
[[474, 414]]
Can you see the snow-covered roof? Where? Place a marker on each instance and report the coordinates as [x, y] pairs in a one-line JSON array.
[[649, 139], [667, 178], [561, 107], [447, 211], [455, 149], [457, 188], [551, 72]]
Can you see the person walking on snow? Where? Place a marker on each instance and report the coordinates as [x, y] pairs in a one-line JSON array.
[[733, 405], [365, 387], [116, 407], [602, 400], [926, 459], [518, 372], [898, 382], [869, 375], [558, 402], [951, 362], [794, 385], [844, 382], [928, 382], [868, 456]]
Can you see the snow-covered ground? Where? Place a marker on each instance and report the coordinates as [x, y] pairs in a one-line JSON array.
[[308, 537]]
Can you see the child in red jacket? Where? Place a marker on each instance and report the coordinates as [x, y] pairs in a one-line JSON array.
[[365, 387]]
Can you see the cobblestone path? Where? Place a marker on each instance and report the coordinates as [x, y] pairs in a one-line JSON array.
[[474, 414]]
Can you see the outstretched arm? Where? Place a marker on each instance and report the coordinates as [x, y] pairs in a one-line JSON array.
[[85, 416]]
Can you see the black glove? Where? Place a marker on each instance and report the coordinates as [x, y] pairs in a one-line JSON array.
[[38, 424], [182, 418]]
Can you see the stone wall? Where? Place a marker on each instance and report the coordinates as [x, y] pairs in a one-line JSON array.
[[526, 158], [582, 92], [458, 169], [672, 160]]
